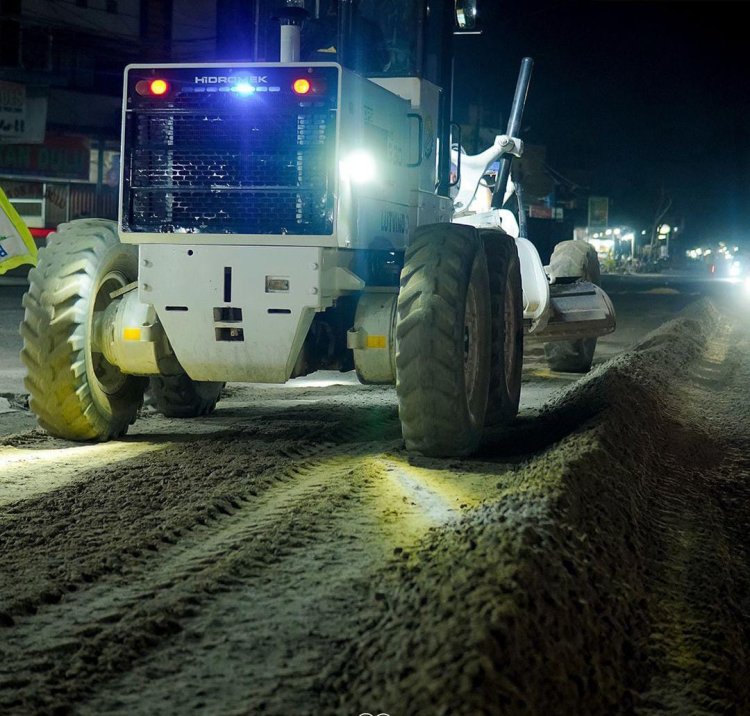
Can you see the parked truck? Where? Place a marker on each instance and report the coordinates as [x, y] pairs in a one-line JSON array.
[[277, 218]]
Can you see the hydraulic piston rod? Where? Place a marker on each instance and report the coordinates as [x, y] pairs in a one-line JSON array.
[[514, 127]]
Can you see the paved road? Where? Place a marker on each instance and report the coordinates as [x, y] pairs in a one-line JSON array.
[[11, 313]]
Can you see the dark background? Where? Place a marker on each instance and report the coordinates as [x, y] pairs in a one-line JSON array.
[[644, 102]]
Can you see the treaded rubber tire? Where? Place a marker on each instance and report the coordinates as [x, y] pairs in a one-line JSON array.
[[574, 356], [506, 362], [443, 341], [179, 396], [74, 392]]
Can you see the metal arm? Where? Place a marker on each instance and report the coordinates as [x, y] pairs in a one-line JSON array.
[[472, 167], [514, 127]]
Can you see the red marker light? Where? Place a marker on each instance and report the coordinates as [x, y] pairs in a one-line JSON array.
[[154, 88], [158, 87], [301, 86]]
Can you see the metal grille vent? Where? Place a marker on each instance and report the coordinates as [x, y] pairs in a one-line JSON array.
[[230, 171]]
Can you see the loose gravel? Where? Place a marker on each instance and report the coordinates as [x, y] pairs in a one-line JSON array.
[[593, 559]]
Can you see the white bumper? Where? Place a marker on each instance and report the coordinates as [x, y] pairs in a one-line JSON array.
[[235, 313]]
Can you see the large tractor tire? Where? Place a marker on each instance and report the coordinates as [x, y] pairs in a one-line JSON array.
[[74, 391], [443, 341], [179, 396], [573, 260], [506, 361]]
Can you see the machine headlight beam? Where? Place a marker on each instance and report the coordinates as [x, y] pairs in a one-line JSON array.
[[359, 167]]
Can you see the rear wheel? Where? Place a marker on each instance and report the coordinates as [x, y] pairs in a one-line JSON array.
[[574, 260], [179, 396], [443, 338], [74, 391], [506, 362]]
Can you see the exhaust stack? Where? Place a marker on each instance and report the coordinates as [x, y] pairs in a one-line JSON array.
[[291, 16]]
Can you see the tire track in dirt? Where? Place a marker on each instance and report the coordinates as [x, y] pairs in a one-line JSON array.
[[103, 549], [131, 612], [315, 566], [67, 538], [336, 512]]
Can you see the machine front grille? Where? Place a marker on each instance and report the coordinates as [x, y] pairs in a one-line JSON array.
[[211, 163]]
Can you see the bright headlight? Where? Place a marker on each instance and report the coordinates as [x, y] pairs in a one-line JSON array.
[[359, 167]]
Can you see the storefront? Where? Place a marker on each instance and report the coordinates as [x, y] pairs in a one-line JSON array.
[[65, 177]]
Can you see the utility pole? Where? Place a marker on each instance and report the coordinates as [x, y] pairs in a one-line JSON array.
[[665, 203]]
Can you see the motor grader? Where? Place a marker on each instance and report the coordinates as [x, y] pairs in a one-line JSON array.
[[278, 218]]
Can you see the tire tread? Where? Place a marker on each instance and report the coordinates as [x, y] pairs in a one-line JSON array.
[[430, 384], [55, 335]]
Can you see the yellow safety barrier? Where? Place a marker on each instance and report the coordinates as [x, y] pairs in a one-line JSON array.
[[17, 246]]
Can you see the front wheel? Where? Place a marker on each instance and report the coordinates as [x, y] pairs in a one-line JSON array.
[[443, 339], [74, 391]]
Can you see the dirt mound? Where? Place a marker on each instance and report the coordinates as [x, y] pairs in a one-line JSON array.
[[609, 577]]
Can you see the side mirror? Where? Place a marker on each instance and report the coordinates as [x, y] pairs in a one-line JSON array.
[[466, 14]]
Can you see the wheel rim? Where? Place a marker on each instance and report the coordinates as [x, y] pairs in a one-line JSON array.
[[108, 377]]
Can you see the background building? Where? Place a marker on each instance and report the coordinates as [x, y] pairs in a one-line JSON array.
[[61, 68]]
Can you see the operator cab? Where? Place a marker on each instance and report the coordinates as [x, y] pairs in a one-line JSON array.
[[391, 41]]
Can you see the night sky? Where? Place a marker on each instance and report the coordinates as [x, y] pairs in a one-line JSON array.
[[640, 97]]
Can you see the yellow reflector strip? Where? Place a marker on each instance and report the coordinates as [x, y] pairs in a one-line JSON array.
[[131, 334], [376, 342]]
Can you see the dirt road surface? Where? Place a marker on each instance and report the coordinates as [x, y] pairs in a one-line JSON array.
[[287, 556]]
